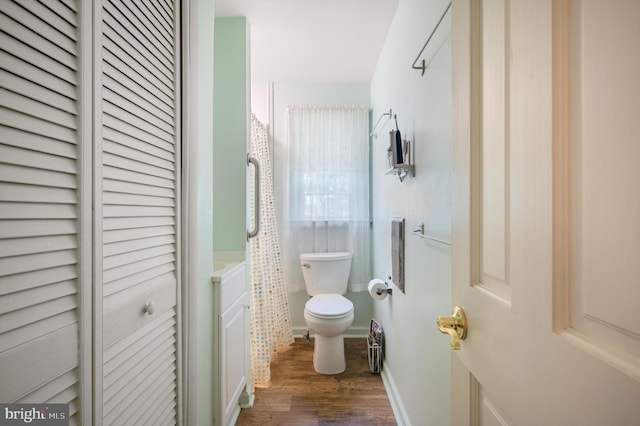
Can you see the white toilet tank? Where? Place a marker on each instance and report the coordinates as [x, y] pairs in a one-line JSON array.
[[326, 273]]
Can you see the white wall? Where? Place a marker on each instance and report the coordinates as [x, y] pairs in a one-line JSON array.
[[313, 94], [417, 364]]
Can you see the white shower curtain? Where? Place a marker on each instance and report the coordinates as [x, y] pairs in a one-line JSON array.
[[270, 317], [327, 189]]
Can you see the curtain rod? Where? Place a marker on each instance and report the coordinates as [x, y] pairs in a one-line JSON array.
[[423, 65]]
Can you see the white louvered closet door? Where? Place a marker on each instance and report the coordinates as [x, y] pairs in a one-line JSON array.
[[139, 189], [42, 201]]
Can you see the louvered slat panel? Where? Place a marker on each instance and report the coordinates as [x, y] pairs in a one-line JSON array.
[[127, 383], [115, 223], [151, 383], [163, 19], [119, 174], [125, 358], [146, 130], [33, 211], [34, 194], [61, 390], [145, 109], [141, 156], [132, 285], [142, 265], [167, 7], [137, 166], [135, 211], [139, 26], [16, 319], [39, 205], [34, 57], [15, 302], [144, 152], [149, 56], [162, 408], [140, 181], [66, 9], [30, 141], [39, 109], [27, 229], [137, 229], [38, 177], [115, 67], [36, 160], [57, 15], [136, 188], [28, 373], [39, 328], [153, 361], [162, 29], [119, 122], [135, 256], [128, 246], [30, 37], [137, 200], [158, 395], [11, 283], [36, 126], [44, 22], [38, 93], [114, 41]]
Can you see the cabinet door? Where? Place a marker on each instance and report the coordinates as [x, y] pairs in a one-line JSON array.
[[233, 347]]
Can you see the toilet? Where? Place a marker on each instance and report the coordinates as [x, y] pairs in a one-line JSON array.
[[328, 313]]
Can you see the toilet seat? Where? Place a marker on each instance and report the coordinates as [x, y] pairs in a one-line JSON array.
[[329, 306]]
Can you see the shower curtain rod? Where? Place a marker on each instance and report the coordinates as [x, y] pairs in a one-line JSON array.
[[423, 65]]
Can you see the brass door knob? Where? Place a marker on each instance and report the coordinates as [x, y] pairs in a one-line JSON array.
[[455, 326]]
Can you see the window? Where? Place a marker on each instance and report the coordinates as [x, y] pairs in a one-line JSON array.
[[328, 178]]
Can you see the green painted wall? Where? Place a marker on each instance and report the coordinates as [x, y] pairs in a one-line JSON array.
[[230, 133]]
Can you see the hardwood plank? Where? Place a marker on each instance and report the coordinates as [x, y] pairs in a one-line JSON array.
[[300, 396]]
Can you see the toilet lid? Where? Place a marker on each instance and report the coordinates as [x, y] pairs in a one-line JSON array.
[[329, 305]]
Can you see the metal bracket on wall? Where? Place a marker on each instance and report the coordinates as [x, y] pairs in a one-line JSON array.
[[423, 65]]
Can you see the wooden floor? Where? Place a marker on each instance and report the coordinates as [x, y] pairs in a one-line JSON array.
[[300, 396]]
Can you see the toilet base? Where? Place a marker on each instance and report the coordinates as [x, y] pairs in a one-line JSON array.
[[328, 354]]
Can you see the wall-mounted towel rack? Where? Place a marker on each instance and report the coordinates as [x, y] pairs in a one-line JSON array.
[[423, 65], [419, 232], [373, 132]]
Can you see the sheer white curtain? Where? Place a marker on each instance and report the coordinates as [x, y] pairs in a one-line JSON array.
[[269, 316], [328, 189]]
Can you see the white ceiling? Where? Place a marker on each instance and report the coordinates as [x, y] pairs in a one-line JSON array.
[[313, 40]]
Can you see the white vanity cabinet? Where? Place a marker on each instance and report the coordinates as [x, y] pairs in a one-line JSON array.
[[231, 340]]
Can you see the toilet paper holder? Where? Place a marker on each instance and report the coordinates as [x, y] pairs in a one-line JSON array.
[[380, 291], [387, 290]]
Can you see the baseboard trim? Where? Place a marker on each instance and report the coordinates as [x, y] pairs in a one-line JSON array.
[[394, 398], [352, 332]]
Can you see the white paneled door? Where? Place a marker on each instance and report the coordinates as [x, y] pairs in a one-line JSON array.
[[90, 208], [546, 260]]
